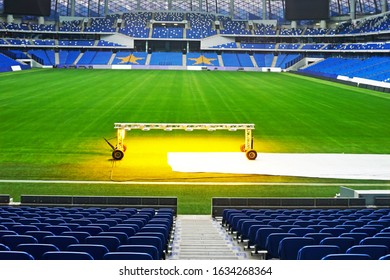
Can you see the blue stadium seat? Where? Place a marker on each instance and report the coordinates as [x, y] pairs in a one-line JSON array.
[[36, 250], [317, 252], [386, 257], [289, 247], [300, 232], [148, 240], [376, 241], [97, 251], [15, 255], [318, 237], [347, 257], [12, 241], [62, 242], [151, 250], [344, 243], [127, 256], [334, 231], [374, 251], [79, 235], [262, 235], [66, 255], [272, 243], [111, 242], [4, 248]]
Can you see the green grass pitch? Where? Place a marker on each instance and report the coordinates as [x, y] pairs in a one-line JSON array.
[[52, 124]]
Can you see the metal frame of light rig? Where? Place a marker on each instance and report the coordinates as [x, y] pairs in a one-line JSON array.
[[119, 150]]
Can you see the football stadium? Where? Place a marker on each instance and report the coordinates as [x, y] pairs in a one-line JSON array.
[[195, 130]]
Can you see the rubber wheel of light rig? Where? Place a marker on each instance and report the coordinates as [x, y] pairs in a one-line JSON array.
[[251, 154], [117, 154], [242, 148]]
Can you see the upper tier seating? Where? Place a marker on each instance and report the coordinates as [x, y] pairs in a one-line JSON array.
[[135, 24], [201, 26]]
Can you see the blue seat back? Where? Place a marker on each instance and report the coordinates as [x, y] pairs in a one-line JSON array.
[[36, 249], [344, 243], [317, 252], [66, 255], [374, 251], [272, 243], [151, 250], [347, 257], [15, 255], [127, 256], [289, 247], [97, 251]]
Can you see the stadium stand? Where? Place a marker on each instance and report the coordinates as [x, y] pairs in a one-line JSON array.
[[279, 242], [166, 58], [61, 242]]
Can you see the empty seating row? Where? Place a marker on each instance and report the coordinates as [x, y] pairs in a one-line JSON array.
[[98, 233], [346, 229]]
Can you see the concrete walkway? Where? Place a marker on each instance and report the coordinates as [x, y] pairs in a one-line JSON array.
[[200, 237]]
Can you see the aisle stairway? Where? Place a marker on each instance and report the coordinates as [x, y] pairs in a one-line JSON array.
[[201, 238]]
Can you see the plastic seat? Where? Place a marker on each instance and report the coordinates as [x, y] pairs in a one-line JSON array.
[[317, 252], [22, 229], [367, 230], [376, 241], [155, 229], [62, 242], [386, 257], [127, 256], [289, 247], [39, 235], [246, 226], [111, 242], [7, 232], [14, 240], [92, 230], [120, 235], [66, 255], [56, 229], [148, 240], [97, 251], [252, 233], [262, 235], [130, 231], [344, 243], [80, 235], [374, 251], [300, 232], [272, 243], [36, 250], [347, 257], [4, 248], [382, 234], [151, 250], [318, 237], [15, 255]]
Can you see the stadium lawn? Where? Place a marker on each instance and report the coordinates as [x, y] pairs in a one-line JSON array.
[[52, 122]]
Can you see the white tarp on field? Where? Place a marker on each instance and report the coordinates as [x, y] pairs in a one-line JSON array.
[[342, 166]]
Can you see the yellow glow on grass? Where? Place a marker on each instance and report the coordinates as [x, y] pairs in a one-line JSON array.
[[146, 157]]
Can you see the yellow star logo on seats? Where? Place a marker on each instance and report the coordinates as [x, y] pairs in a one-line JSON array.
[[130, 59], [203, 60]]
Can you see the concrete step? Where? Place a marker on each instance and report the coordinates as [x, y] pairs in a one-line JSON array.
[[201, 238]]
